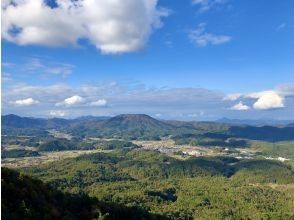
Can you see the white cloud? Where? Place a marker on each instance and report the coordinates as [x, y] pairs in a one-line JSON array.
[[112, 26], [205, 5], [73, 100], [57, 113], [99, 103], [202, 38], [26, 102], [70, 101], [240, 107], [232, 97], [267, 100]]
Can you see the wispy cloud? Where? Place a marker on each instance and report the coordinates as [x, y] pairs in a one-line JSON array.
[[6, 77], [232, 97], [201, 38], [48, 67], [57, 113], [281, 27], [7, 64], [205, 5], [99, 103]]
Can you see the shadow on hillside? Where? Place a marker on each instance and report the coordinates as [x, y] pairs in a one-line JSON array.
[[26, 198]]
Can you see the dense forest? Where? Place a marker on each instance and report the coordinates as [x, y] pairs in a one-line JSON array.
[[217, 188], [24, 197]]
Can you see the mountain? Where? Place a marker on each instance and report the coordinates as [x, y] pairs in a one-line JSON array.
[[91, 118], [135, 121], [128, 126], [28, 122], [255, 122], [265, 133], [21, 122], [203, 126], [137, 125]]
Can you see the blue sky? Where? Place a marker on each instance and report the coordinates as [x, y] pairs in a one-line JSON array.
[[166, 58]]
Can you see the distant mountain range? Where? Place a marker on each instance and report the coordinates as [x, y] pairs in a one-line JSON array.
[[140, 126], [30, 122], [256, 122]]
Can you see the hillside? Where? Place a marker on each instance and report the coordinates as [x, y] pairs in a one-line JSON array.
[[201, 188], [24, 197]]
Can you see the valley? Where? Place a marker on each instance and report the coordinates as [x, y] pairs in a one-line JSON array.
[[138, 166]]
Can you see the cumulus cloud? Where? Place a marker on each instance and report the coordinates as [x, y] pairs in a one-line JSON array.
[[99, 103], [26, 102], [57, 113], [267, 100], [264, 100], [201, 38], [112, 26], [205, 5], [70, 101], [240, 107]]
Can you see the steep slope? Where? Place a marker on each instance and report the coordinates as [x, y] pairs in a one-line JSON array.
[[24, 197]]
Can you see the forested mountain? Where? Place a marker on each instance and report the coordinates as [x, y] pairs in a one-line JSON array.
[[136, 126], [27, 122], [139, 126]]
